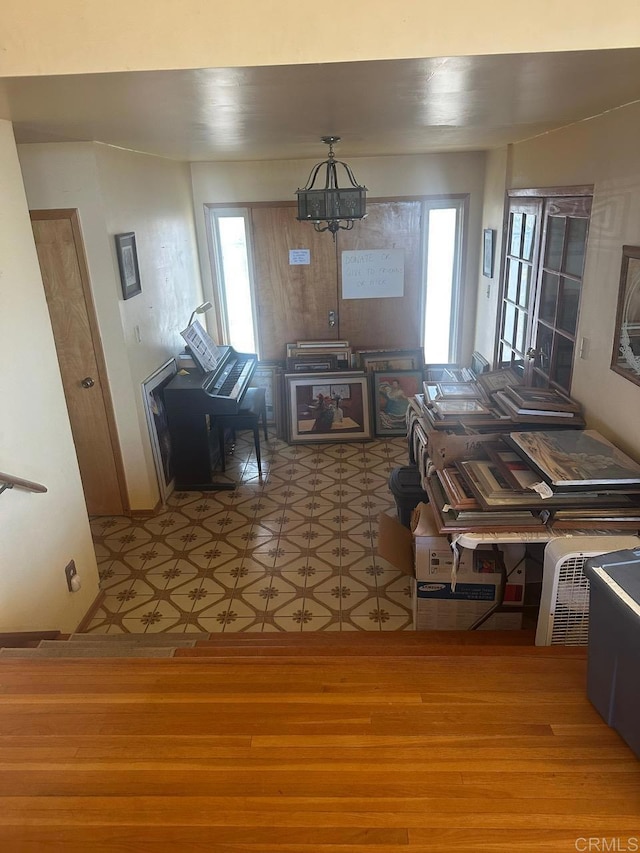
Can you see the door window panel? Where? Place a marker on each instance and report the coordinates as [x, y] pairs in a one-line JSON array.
[[555, 242], [521, 330], [512, 281], [548, 297], [563, 361], [576, 243], [516, 234], [529, 236], [568, 306], [523, 296]]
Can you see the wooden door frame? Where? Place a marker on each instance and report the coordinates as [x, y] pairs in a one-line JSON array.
[[71, 214]]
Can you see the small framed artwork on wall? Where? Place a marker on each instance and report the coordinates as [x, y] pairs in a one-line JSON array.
[[487, 252], [128, 264]]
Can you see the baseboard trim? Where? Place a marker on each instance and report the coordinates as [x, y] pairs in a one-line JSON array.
[[88, 616], [146, 513]]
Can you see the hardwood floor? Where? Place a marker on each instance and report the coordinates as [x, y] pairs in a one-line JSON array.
[[359, 743]]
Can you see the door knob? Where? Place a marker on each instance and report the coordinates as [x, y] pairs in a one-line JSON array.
[[87, 382], [532, 353], [332, 318]]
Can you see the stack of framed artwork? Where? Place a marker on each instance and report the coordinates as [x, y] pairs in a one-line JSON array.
[[396, 375]]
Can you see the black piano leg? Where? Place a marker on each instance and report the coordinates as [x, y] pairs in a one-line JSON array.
[[221, 447], [256, 441]]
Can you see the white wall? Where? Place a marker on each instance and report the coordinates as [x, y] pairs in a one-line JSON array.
[[117, 191], [602, 151], [492, 217], [39, 533], [73, 36], [384, 177]]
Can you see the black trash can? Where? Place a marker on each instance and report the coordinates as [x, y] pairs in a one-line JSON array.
[[614, 641], [404, 483]]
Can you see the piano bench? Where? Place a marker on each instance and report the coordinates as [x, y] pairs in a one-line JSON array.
[[253, 408]]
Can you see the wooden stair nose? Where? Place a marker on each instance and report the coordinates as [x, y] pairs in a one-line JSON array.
[[283, 646], [26, 639], [407, 644]]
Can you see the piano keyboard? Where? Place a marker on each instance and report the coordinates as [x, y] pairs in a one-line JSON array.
[[232, 379]]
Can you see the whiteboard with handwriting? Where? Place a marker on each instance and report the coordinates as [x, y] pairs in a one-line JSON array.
[[372, 273]]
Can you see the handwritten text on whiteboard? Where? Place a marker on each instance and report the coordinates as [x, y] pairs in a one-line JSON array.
[[372, 273]]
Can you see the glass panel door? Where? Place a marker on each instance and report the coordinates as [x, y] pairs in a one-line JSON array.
[[552, 349], [519, 268]]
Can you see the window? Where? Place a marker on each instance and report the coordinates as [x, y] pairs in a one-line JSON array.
[[443, 220], [232, 252]]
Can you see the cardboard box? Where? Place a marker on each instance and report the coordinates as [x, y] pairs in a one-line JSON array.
[[445, 614], [427, 557]]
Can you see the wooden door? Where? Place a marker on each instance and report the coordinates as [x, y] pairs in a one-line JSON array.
[[393, 321], [293, 301], [65, 277]]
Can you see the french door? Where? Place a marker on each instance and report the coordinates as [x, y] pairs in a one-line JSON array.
[[545, 247]]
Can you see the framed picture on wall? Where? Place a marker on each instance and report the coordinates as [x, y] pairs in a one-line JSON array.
[[328, 407], [152, 395], [487, 252], [391, 392], [128, 264]]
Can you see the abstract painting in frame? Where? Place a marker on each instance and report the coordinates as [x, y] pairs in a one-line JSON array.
[[391, 392], [152, 395], [328, 407]]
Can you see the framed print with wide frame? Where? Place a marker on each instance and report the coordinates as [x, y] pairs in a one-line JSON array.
[[328, 407], [152, 395]]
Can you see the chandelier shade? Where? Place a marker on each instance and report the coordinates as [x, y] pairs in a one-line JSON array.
[[332, 207]]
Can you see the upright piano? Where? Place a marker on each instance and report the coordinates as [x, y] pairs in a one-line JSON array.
[[192, 400]]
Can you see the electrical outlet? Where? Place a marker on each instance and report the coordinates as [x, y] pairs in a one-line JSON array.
[[70, 572]]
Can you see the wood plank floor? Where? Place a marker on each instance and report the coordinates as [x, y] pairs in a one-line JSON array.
[[461, 749]]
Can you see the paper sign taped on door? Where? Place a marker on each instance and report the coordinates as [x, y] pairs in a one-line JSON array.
[[372, 273]]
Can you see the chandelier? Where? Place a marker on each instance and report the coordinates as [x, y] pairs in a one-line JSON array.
[[337, 207]]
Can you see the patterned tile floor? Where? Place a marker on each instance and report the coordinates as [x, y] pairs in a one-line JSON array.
[[293, 551]]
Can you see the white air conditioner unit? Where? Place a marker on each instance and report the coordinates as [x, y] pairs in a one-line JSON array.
[[564, 603]]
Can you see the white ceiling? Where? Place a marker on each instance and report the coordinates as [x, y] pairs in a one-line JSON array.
[[378, 107]]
